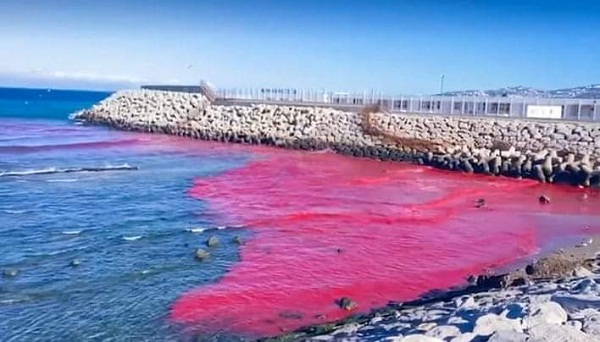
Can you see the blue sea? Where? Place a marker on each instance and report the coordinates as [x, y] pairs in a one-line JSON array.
[[130, 227]]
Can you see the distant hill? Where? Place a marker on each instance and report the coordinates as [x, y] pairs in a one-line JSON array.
[[585, 92]]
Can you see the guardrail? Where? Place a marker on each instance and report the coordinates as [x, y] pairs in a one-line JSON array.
[[516, 107]]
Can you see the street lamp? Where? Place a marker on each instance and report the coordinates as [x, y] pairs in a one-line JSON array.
[[442, 84]]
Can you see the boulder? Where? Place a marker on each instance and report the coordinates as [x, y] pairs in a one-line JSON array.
[[487, 325], [347, 303], [558, 333], [201, 254], [508, 336], [545, 313], [212, 241]]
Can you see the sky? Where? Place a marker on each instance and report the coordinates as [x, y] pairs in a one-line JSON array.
[[393, 46]]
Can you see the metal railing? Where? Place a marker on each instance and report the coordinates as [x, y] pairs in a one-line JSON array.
[[517, 107]]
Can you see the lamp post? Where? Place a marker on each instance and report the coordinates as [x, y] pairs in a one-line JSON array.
[[442, 84]]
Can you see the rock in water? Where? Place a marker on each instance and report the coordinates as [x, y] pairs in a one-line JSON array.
[[201, 254], [480, 203], [75, 263], [347, 303], [544, 199], [10, 273], [238, 240], [212, 241]]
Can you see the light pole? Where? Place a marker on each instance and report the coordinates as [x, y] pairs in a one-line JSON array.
[[442, 84]]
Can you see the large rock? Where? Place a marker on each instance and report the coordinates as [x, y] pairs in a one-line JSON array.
[[489, 324], [545, 313], [508, 336], [558, 333]]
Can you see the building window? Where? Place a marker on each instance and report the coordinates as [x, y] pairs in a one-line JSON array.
[[457, 105], [505, 108]]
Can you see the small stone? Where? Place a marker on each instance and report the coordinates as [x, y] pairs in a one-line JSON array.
[[201, 254], [238, 240], [10, 273], [543, 199], [75, 263], [347, 303], [212, 241], [480, 203]]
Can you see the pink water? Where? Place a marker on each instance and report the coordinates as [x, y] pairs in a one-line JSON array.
[[327, 226]]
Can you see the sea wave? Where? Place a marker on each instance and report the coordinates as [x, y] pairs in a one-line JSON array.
[[132, 238], [54, 170], [68, 146], [66, 180], [12, 211], [208, 229], [72, 232]]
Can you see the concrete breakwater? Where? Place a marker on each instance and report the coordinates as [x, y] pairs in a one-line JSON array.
[[547, 151]]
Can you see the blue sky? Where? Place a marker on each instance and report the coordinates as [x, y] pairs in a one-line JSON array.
[[398, 47]]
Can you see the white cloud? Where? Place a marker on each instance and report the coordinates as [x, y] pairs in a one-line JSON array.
[[67, 79], [85, 76]]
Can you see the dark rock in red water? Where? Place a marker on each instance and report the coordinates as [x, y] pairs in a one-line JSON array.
[[492, 281], [544, 199], [201, 254], [480, 203], [347, 303], [212, 241], [529, 269]]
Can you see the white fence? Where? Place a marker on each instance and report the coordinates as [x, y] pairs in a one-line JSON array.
[[539, 108]]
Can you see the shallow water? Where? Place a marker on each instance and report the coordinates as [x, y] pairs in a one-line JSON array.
[[316, 227]]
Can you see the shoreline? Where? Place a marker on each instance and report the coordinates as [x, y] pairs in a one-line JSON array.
[[577, 263]]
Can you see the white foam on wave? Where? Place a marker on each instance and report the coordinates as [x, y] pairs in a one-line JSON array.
[[132, 238], [196, 230], [53, 170], [71, 232], [66, 180], [12, 211], [28, 172], [207, 229]]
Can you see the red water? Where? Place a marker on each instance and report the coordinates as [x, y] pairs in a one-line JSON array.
[[326, 226]]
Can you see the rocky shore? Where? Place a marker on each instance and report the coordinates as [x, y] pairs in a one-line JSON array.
[[554, 299], [562, 152]]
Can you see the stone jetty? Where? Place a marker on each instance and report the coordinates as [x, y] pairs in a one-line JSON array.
[[549, 151]]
